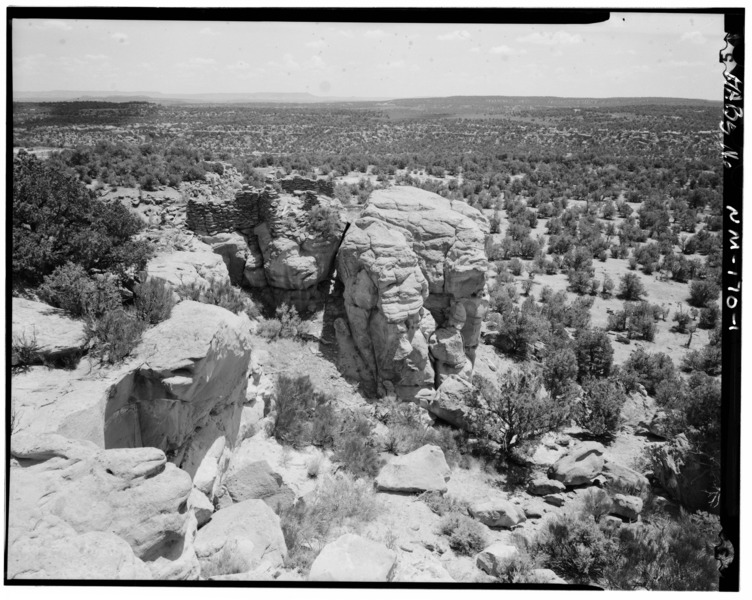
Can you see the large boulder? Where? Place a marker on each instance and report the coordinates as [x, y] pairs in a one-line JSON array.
[[257, 480], [62, 488], [493, 559], [423, 470], [621, 478], [199, 269], [580, 465], [181, 391], [628, 507], [54, 335], [452, 402], [543, 487], [247, 534], [413, 250], [497, 512], [353, 558]]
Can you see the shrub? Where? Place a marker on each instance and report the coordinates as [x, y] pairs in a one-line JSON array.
[[515, 266], [442, 504], [517, 408], [338, 501], [325, 220], [154, 301], [353, 448], [219, 292], [269, 328], [594, 353], [702, 293], [57, 220], [600, 407], [575, 548], [465, 535], [641, 319], [682, 320], [25, 351], [69, 287], [631, 288], [295, 397], [650, 369], [709, 316], [290, 322], [115, 335], [559, 371]]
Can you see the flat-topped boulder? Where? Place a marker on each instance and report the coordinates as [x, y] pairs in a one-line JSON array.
[[54, 334], [423, 470], [580, 465], [353, 558], [497, 512], [197, 268], [62, 488], [493, 558]]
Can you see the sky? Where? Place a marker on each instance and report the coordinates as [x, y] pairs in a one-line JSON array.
[[633, 54]]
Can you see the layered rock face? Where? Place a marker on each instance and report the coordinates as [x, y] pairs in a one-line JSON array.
[[77, 510], [267, 240], [183, 392], [415, 269]]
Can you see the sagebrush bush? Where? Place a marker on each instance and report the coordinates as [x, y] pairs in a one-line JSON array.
[[269, 328], [631, 288], [219, 292], [25, 351], [649, 369], [325, 220], [295, 397], [702, 293], [338, 500], [154, 301], [465, 535], [71, 288], [442, 504], [114, 335], [354, 449]]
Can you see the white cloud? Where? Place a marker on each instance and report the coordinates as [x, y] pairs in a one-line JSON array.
[[346, 33], [693, 36], [53, 24], [551, 39], [454, 36], [375, 34], [208, 31], [505, 50], [316, 44], [316, 62], [288, 62], [475, 49], [96, 57], [120, 37], [196, 63]]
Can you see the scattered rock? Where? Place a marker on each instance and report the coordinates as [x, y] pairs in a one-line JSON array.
[[555, 499], [423, 470], [682, 475], [497, 512], [452, 401], [189, 268], [628, 507], [353, 558], [619, 477], [533, 512], [420, 568], [201, 506], [611, 522], [257, 480], [495, 557], [543, 487]]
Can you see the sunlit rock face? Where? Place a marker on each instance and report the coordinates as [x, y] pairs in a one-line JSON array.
[[415, 269]]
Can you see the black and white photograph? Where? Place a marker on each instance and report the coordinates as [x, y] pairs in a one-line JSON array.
[[374, 297]]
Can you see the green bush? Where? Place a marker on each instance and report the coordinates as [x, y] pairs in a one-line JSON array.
[[702, 293], [114, 335], [441, 504], [649, 369], [631, 287], [353, 447], [69, 287], [25, 351], [326, 221], [465, 535], [595, 354], [269, 328], [709, 316], [154, 301], [295, 398], [600, 407], [219, 292], [57, 220]]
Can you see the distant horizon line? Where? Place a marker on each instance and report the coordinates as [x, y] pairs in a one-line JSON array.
[[340, 97]]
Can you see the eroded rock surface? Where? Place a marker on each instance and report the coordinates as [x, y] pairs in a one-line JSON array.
[[423, 470], [353, 558], [412, 253], [62, 489], [55, 335], [580, 465]]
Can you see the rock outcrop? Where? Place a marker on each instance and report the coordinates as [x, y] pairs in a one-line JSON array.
[[423, 470], [353, 558], [412, 253], [63, 490], [182, 392], [199, 268], [55, 335], [497, 512], [493, 559]]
